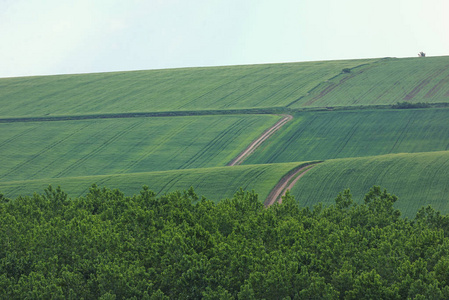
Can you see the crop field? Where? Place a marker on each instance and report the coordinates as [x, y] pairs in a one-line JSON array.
[[340, 134], [341, 115], [54, 149], [384, 82], [418, 179], [236, 87], [213, 183]]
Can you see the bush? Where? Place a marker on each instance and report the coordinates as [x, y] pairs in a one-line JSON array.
[[408, 105]]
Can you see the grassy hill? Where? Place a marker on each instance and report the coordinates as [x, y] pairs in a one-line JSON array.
[[107, 140], [339, 134], [384, 82], [293, 85], [236, 87], [33, 150], [213, 183], [418, 179]]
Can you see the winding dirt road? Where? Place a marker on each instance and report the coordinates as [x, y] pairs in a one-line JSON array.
[[253, 146], [286, 183]]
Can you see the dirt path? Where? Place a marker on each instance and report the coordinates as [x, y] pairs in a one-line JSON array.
[[253, 146], [286, 183]]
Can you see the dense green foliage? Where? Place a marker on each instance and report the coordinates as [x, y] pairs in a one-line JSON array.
[[235, 87], [408, 105], [419, 179], [107, 246], [339, 134], [213, 183], [384, 82], [34, 150]]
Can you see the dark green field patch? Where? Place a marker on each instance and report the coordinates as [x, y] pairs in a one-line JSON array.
[[213, 183], [418, 179], [36, 150], [339, 134], [385, 82]]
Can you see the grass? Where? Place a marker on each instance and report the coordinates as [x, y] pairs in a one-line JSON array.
[[340, 134], [418, 179], [236, 87], [213, 183], [385, 82], [33, 150]]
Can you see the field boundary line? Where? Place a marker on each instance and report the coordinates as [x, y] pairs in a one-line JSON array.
[[287, 182], [281, 110], [250, 111], [257, 142]]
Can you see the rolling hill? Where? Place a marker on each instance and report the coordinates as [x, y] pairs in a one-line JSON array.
[[34, 150], [213, 183], [176, 128], [384, 82], [236, 87], [357, 133], [418, 179]]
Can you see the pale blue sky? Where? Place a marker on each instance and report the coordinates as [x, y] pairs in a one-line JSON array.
[[39, 37]]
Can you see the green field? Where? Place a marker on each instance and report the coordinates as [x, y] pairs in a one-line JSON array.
[[236, 87], [33, 150], [384, 82], [104, 141], [340, 134], [213, 183], [418, 180]]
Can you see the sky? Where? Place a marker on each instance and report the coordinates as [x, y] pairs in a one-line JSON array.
[[45, 37]]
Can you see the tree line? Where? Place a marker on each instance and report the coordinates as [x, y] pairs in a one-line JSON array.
[[106, 245]]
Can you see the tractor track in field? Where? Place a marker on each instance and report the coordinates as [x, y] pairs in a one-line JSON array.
[[257, 142], [286, 183]]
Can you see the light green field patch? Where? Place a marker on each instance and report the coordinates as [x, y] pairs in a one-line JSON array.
[[418, 179], [385, 82], [33, 150], [213, 183], [234, 87], [339, 134]]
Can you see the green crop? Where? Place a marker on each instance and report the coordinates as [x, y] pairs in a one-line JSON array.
[[213, 183], [418, 179], [33, 150], [236, 87], [384, 82], [101, 135], [339, 134]]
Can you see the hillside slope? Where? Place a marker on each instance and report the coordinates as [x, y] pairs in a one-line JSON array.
[[339, 134], [213, 183], [384, 82], [418, 179], [342, 115], [33, 150], [235, 87]]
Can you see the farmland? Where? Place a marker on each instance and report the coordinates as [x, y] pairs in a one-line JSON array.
[[339, 134], [214, 183], [34, 150], [384, 82], [176, 128], [236, 87], [418, 179], [314, 128]]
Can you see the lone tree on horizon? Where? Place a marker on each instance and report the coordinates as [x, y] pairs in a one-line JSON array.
[[421, 54]]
